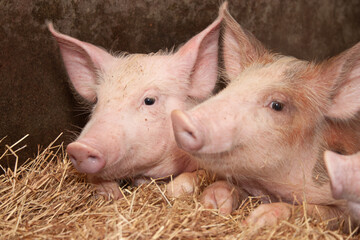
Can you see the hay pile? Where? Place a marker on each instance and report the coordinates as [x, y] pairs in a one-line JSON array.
[[47, 199]]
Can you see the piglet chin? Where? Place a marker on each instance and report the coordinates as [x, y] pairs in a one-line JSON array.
[[186, 135], [85, 158]]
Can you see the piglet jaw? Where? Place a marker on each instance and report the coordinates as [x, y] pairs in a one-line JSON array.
[[186, 135]]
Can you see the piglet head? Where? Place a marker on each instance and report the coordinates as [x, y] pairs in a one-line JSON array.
[[129, 133], [274, 109]]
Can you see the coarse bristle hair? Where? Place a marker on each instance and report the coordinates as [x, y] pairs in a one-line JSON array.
[[46, 198]]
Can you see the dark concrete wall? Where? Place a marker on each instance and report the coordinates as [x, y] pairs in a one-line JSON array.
[[34, 94]]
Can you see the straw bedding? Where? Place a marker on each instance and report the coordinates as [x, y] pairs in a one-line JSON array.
[[47, 199]]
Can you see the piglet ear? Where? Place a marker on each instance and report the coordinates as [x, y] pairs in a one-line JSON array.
[[198, 61], [82, 61], [344, 73], [240, 47]]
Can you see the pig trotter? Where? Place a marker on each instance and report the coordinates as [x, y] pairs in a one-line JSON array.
[[273, 213], [269, 215], [108, 189], [221, 195], [184, 184]]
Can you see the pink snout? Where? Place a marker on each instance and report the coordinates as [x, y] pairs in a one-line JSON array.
[[85, 158], [186, 135], [344, 175]]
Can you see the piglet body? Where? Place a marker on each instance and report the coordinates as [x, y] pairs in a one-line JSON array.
[[129, 134], [267, 131]]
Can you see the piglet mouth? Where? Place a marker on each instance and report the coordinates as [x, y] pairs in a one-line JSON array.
[[85, 158]]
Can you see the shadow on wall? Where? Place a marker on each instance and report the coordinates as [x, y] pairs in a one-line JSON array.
[[35, 96]]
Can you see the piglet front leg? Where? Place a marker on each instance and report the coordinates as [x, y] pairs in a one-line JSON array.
[[273, 213], [268, 215], [184, 184], [223, 196], [108, 189]]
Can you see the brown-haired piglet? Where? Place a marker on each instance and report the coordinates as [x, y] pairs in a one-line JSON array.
[[267, 131]]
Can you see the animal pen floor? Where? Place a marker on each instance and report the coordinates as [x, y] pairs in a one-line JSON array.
[[47, 199]]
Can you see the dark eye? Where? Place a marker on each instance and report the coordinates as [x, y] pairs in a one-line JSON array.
[[149, 101], [277, 106]]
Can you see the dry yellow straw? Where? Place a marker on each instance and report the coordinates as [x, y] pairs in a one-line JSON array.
[[47, 199]]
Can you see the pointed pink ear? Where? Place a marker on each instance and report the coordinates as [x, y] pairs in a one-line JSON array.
[[82, 61], [240, 47], [198, 61], [344, 73]]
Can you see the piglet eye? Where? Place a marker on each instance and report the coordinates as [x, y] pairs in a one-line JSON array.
[[277, 106], [149, 101]]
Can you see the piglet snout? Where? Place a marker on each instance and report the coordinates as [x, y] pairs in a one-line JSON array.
[[85, 158], [344, 175], [186, 134]]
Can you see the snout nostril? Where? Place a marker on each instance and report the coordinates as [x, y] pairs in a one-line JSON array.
[[93, 158], [72, 158]]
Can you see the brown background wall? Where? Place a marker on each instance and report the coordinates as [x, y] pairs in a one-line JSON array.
[[34, 93]]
